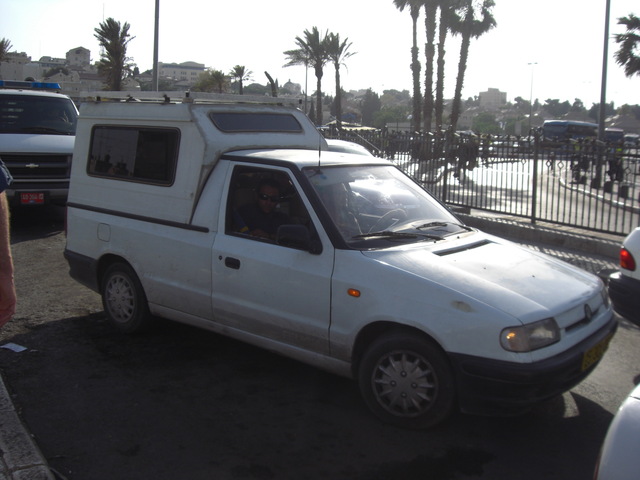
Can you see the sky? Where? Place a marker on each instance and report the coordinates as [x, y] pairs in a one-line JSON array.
[[548, 49]]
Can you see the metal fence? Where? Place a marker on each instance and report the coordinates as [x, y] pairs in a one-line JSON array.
[[585, 184]]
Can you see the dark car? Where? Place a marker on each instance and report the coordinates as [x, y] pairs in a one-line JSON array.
[[624, 285]]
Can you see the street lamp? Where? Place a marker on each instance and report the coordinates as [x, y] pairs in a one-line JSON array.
[[154, 80], [603, 85], [533, 64]]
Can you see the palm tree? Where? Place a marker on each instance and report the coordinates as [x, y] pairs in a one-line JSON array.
[[468, 25], [338, 52], [241, 73], [5, 46], [311, 51], [300, 57], [629, 42], [114, 64], [414, 10]]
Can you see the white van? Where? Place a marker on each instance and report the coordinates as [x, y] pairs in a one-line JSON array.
[[366, 275], [37, 133]]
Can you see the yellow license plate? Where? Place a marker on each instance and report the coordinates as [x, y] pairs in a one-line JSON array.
[[595, 353]]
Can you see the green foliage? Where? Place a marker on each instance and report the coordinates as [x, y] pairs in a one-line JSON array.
[[627, 54], [555, 108], [369, 105], [397, 114], [257, 89], [114, 65], [486, 123], [211, 81], [5, 46], [594, 111]]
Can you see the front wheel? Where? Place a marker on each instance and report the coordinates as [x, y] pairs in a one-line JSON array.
[[123, 299], [407, 381]]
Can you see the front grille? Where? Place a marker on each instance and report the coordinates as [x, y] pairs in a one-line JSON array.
[[37, 167]]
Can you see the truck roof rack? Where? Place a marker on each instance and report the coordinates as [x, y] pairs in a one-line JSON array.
[[186, 97]]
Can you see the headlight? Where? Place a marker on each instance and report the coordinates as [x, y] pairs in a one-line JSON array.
[[530, 337]]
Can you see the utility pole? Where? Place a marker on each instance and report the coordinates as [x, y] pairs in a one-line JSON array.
[[154, 85], [603, 88], [596, 182]]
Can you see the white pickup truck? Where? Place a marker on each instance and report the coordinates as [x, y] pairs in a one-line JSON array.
[[363, 272]]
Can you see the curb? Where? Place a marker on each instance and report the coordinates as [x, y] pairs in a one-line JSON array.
[[20, 457]]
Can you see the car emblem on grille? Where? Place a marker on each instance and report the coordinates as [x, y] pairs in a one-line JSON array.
[[32, 165], [588, 313]]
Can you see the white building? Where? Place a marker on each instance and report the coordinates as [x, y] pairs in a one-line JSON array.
[[12, 66], [492, 98], [79, 57], [185, 73]]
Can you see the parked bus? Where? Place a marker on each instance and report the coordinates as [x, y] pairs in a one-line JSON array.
[[614, 135], [562, 130]]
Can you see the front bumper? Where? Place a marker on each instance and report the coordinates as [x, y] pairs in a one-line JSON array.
[[625, 296], [496, 387], [44, 193]]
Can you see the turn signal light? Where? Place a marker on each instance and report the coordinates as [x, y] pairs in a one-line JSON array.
[[353, 292]]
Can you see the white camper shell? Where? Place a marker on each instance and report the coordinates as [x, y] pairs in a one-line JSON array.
[[354, 267], [204, 132]]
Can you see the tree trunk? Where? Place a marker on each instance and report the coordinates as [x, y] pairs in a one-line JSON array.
[[462, 66], [415, 69], [319, 98], [430, 24], [439, 106], [274, 90], [338, 99]]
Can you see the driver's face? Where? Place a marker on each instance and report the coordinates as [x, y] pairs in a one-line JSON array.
[[268, 198]]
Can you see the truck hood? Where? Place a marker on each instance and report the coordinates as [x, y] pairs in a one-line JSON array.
[[36, 143], [498, 273]]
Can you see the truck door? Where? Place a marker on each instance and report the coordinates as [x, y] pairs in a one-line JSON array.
[[262, 288]]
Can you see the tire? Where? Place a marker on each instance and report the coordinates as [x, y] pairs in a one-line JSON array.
[[407, 381], [123, 299]]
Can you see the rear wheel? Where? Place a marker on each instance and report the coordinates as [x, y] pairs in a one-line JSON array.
[[123, 298], [407, 381]]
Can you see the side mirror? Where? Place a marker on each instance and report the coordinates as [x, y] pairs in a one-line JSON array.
[[297, 236]]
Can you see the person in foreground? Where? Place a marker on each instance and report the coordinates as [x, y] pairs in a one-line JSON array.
[[7, 286]]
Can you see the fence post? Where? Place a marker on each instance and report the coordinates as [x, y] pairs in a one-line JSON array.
[[534, 183]]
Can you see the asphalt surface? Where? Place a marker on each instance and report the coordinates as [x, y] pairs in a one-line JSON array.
[[21, 459]]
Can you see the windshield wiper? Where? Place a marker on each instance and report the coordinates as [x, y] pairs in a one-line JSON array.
[[444, 224], [390, 234]]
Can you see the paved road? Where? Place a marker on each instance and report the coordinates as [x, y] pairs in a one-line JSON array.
[[182, 403]]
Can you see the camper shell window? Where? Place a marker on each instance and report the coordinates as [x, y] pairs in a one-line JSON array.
[[234, 122], [137, 154]]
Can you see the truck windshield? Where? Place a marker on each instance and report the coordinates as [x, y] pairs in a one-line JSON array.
[[370, 205], [37, 114]]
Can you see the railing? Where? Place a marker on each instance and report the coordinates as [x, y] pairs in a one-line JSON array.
[[585, 184]]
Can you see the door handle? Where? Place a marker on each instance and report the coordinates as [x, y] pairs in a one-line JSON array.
[[232, 263]]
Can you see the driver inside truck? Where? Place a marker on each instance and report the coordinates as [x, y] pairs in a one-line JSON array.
[[261, 219]]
